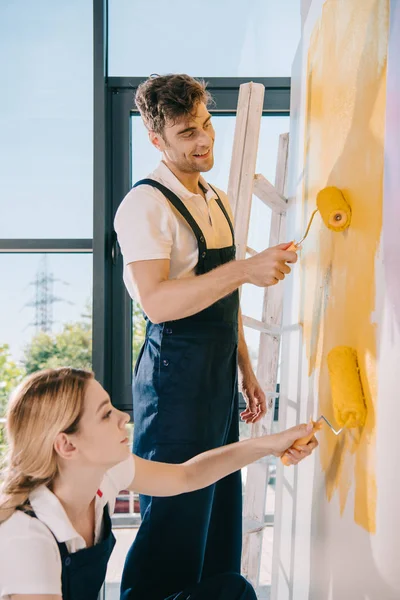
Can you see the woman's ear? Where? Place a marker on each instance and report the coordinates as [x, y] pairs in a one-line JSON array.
[[64, 447]]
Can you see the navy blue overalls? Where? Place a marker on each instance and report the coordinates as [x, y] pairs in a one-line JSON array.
[[84, 571], [185, 401]]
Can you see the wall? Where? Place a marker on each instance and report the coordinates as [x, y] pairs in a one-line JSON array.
[[338, 511]]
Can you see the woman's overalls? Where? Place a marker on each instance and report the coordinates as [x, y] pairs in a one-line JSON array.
[[185, 401], [83, 572]]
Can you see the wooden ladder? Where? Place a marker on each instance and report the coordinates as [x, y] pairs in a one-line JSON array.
[[243, 183]]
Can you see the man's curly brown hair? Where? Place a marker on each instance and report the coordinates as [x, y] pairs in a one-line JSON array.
[[164, 99]]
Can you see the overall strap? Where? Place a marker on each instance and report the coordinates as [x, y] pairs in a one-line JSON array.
[[61, 545], [222, 207], [180, 207]]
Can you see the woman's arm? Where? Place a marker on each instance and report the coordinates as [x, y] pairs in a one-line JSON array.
[[162, 479]]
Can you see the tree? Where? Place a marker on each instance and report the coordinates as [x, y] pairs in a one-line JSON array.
[[138, 330], [10, 375], [72, 347]]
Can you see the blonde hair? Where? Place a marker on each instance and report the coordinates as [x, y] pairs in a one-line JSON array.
[[43, 405]]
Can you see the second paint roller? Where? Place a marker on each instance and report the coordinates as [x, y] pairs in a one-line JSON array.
[[334, 210], [348, 402]]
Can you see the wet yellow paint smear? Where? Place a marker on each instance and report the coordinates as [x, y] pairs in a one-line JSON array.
[[344, 147]]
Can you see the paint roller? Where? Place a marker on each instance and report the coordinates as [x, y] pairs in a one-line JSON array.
[[334, 210], [348, 402]]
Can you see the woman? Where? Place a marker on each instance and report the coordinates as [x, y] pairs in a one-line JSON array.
[[68, 459]]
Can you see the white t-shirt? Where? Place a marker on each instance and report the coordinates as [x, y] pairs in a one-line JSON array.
[[149, 227], [30, 561]]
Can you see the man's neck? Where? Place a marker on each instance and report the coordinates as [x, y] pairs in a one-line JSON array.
[[189, 180]]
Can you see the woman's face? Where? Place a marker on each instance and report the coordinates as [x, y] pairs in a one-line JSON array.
[[102, 437]]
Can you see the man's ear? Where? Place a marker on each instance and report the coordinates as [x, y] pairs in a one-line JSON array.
[[64, 447], [156, 140]]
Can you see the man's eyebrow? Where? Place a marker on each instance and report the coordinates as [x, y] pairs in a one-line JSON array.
[[193, 128], [102, 404]]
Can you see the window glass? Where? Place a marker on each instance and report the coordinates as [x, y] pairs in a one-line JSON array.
[[45, 317], [228, 38], [46, 147], [46, 309]]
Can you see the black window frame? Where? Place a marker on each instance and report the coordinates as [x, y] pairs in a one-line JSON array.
[[113, 106]]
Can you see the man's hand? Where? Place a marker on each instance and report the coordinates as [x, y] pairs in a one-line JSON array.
[[269, 267], [283, 442], [256, 406]]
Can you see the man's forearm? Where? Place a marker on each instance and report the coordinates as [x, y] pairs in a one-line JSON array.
[[244, 361], [165, 299], [179, 298]]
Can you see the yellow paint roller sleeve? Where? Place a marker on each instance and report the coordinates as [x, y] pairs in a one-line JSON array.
[[347, 394], [335, 211]]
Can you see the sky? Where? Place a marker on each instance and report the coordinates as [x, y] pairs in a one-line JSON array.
[[46, 122]]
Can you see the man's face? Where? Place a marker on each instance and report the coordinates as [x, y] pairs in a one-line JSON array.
[[189, 143]]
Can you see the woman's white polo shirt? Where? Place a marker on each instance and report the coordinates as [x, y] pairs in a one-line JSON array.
[[30, 560]]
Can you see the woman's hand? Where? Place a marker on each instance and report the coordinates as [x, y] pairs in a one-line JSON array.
[[281, 443]]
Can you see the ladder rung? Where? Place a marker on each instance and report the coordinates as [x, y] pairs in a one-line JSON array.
[[267, 193], [260, 326], [291, 327], [251, 251], [265, 460], [288, 486], [292, 403], [254, 526]]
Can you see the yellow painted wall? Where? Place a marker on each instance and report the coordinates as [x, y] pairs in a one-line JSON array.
[[344, 138]]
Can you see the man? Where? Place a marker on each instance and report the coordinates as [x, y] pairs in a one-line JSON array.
[[176, 235]]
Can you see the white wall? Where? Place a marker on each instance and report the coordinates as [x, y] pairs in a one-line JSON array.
[[319, 553]]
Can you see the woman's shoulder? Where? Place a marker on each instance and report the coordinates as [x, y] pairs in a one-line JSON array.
[[21, 523], [22, 527], [29, 556]]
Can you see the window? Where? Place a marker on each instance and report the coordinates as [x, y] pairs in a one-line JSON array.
[[46, 195], [46, 120], [57, 250], [47, 303], [228, 38]]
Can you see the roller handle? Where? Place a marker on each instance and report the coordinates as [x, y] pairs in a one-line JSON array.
[[285, 458], [292, 248]]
